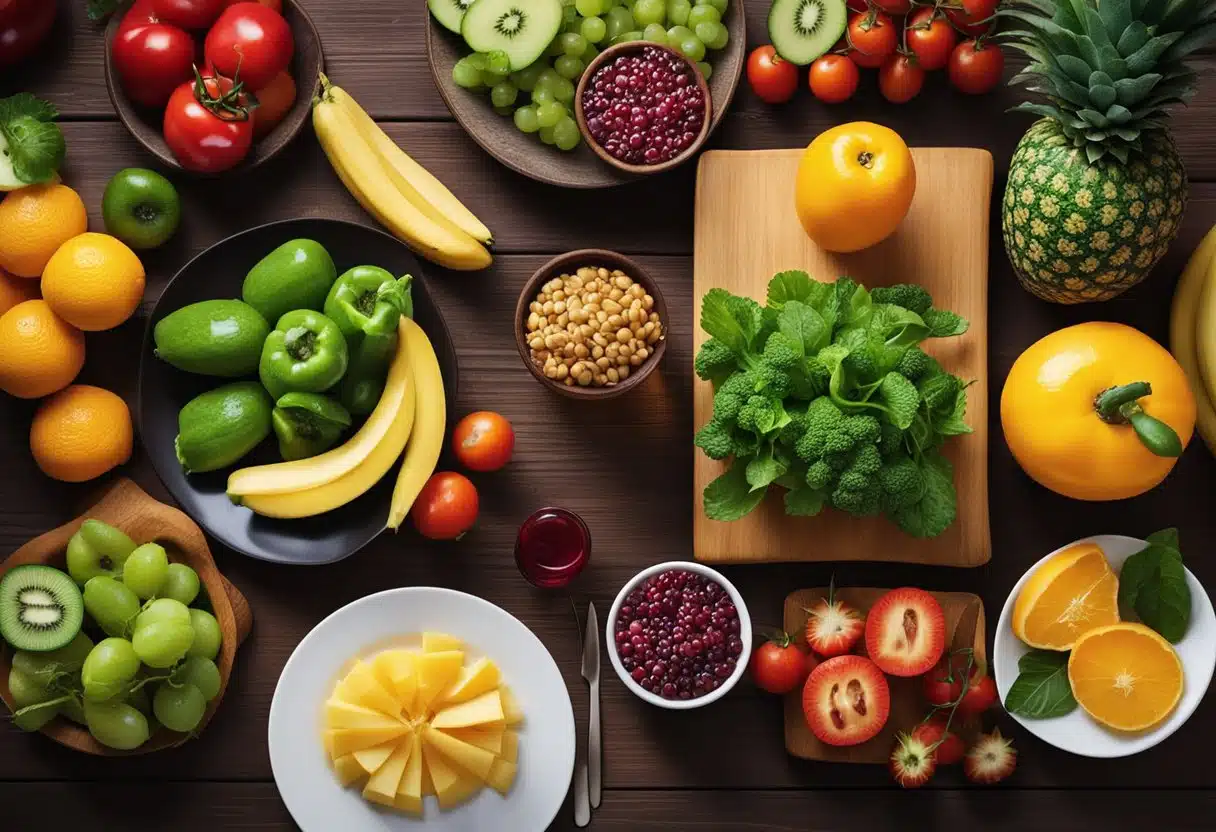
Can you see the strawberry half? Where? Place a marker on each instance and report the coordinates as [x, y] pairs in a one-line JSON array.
[[906, 632], [947, 746], [912, 763], [833, 627], [991, 759], [846, 700]]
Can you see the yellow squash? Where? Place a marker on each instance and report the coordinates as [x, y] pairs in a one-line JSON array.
[[1097, 411], [427, 439]]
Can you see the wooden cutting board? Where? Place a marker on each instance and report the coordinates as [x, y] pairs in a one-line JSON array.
[[747, 231], [965, 628]]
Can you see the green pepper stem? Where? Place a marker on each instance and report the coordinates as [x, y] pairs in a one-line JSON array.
[[1120, 405]]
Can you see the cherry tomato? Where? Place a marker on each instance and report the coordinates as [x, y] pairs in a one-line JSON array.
[[858, 5], [250, 43], [944, 683], [931, 38], [189, 14], [873, 38], [834, 78], [900, 79], [446, 507], [151, 58], [974, 17], [24, 24], [275, 101], [895, 8], [778, 666], [774, 79], [979, 696], [207, 125], [483, 441], [975, 67]]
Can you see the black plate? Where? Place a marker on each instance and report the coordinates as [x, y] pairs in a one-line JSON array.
[[163, 390]]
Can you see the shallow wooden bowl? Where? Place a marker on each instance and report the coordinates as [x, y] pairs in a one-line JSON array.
[[146, 125], [568, 264], [126, 506], [628, 48]]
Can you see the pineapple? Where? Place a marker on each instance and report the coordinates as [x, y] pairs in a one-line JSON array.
[[1096, 188]]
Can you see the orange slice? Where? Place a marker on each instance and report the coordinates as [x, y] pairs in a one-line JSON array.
[[1125, 676], [1069, 595]]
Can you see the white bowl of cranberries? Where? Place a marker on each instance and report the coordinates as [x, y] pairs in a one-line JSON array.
[[679, 635]]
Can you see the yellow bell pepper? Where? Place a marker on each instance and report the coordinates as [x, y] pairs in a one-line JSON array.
[[1097, 411]]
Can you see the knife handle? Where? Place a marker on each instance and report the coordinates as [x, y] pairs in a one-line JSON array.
[[582, 807], [595, 755]]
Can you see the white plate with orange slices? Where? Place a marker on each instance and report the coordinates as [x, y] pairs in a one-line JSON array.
[[421, 707], [1133, 687]]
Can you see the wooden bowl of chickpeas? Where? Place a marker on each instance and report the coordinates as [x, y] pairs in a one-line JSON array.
[[591, 324]]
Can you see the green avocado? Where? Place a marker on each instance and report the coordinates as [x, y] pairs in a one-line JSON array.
[[218, 427], [296, 275], [212, 338]]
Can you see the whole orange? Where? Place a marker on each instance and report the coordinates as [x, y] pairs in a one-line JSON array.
[[854, 186], [80, 433], [39, 351], [94, 281], [15, 290], [34, 222]]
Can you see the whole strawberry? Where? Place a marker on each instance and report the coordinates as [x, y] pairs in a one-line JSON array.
[[833, 626], [991, 759], [912, 763]]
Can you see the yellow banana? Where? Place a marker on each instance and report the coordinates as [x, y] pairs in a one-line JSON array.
[[366, 176], [410, 177], [427, 439], [1195, 291]]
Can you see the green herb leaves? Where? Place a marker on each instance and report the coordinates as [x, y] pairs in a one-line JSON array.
[[31, 145], [1042, 689], [1152, 585]]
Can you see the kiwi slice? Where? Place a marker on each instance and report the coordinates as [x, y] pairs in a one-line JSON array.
[[523, 29], [41, 608], [802, 30], [449, 13]]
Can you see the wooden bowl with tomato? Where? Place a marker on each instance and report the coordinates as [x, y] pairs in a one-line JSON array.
[[178, 73]]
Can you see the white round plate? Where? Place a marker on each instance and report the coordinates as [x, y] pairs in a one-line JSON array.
[[362, 628], [1077, 732]]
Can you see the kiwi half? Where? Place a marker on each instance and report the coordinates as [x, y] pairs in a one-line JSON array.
[[523, 29], [41, 608], [802, 30], [449, 13]]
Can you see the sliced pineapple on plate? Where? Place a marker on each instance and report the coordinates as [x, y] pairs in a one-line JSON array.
[[409, 790], [510, 747], [382, 786], [474, 680], [349, 740], [348, 770], [433, 642], [502, 776], [512, 713], [371, 759], [452, 786], [342, 714], [470, 758], [488, 737], [361, 687], [486, 709], [436, 671]]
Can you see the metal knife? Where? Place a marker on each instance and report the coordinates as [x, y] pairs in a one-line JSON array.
[[591, 672]]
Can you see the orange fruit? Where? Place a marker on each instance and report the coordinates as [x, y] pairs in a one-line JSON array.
[[39, 351], [1067, 596], [34, 222], [80, 433], [15, 290], [1125, 676], [94, 282]]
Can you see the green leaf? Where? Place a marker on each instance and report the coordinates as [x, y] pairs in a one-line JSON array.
[[733, 320], [803, 325], [803, 502], [896, 326], [938, 506], [764, 469], [1102, 97], [35, 145], [1075, 68], [1042, 690], [1116, 16], [795, 285], [945, 324], [901, 398], [1153, 585], [1167, 538], [953, 423], [729, 497], [1191, 41], [1145, 58], [1133, 37]]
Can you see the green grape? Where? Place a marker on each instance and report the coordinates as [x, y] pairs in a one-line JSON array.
[[569, 14], [490, 78], [465, 75], [720, 5], [646, 12], [504, 94], [655, 33], [626, 37], [26, 689], [36, 717], [478, 61], [73, 709], [555, 48], [163, 610], [678, 11], [162, 644], [181, 584], [546, 135], [703, 14], [573, 45], [692, 48], [676, 34], [116, 725], [721, 40], [706, 70], [145, 570], [590, 54], [617, 21], [542, 96], [565, 134], [505, 111], [594, 29], [564, 92], [525, 79], [97, 548], [106, 672], [498, 62], [548, 77], [525, 119], [590, 8], [569, 67], [111, 604], [46, 667], [179, 708], [206, 635], [200, 672], [550, 114]]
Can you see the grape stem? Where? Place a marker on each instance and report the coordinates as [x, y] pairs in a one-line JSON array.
[[67, 697]]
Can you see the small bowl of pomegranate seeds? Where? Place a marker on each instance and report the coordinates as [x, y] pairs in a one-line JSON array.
[[679, 635], [643, 108]]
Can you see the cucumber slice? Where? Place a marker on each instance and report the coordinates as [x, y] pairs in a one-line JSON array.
[[802, 30], [523, 29], [449, 13]]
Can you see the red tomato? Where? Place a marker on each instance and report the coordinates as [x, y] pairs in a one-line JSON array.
[[944, 683], [24, 24], [834, 78], [251, 43], [151, 58], [189, 14], [207, 126], [277, 5], [873, 38], [446, 507], [979, 697], [858, 5], [483, 441], [974, 17], [777, 666], [774, 79], [900, 79], [931, 38], [950, 748], [975, 67], [275, 101]]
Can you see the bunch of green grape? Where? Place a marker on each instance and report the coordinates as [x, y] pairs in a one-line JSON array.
[[541, 96]]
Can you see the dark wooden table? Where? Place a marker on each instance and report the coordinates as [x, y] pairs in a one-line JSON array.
[[626, 466]]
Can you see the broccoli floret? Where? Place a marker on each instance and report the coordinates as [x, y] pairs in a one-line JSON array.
[[781, 352], [860, 365], [817, 375], [793, 431], [749, 414], [902, 481], [714, 360], [863, 502], [773, 381], [820, 475], [863, 429], [732, 395], [715, 439], [914, 364], [823, 421], [908, 295], [890, 440], [867, 461]]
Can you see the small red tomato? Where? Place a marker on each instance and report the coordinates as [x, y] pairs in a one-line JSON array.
[[974, 18], [950, 748], [275, 101], [900, 79], [930, 38], [24, 25], [207, 125], [873, 38], [944, 683], [483, 441], [834, 78], [895, 8], [975, 68], [778, 666], [979, 697], [189, 14], [150, 57], [774, 79], [251, 43], [446, 507]]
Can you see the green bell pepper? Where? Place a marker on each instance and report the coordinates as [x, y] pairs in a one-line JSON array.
[[308, 424], [367, 302], [306, 353]]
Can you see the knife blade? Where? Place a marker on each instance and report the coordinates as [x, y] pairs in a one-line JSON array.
[[591, 672]]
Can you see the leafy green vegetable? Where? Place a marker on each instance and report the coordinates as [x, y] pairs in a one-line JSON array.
[[1041, 690], [729, 497], [31, 143], [1152, 585], [101, 9]]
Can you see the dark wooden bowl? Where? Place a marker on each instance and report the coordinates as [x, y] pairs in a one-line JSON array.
[[146, 125], [569, 263], [611, 54]]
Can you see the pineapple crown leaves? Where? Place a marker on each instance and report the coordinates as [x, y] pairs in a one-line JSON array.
[[1108, 69]]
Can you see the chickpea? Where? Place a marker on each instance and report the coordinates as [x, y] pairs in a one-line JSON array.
[[616, 295], [613, 375], [625, 350], [623, 335], [601, 379], [533, 321], [568, 350], [642, 353], [622, 281], [562, 372], [550, 371], [647, 302], [534, 307], [603, 363], [587, 330], [562, 319], [601, 316], [615, 321], [611, 306], [597, 351], [654, 336], [537, 343], [584, 378], [612, 350], [581, 351], [603, 273], [600, 339], [559, 306], [547, 307], [623, 372], [559, 294], [623, 360], [579, 316], [634, 361], [634, 315], [637, 292]]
